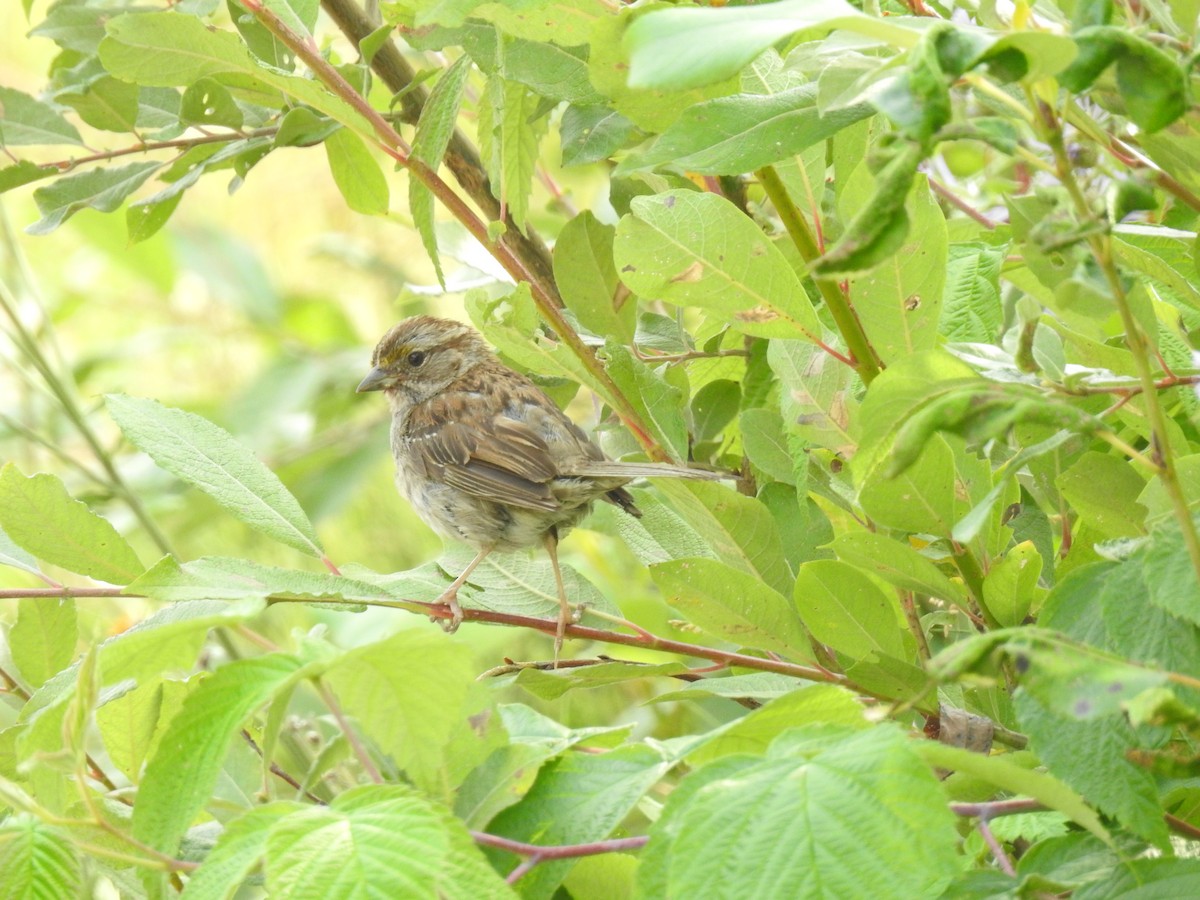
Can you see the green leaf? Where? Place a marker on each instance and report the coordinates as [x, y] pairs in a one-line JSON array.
[[237, 852], [377, 841], [1152, 84], [434, 130], [515, 583], [12, 555], [182, 773], [509, 131], [427, 685], [765, 443], [732, 605], [817, 704], [1008, 776], [42, 641], [587, 278], [132, 724], [682, 48], [845, 609], [591, 133], [208, 102], [41, 517], [26, 121], [1169, 575], [550, 685], [900, 300], [101, 189], [1093, 757], [506, 776], [1146, 879], [971, 310], [24, 173], [357, 173], [739, 530], [107, 103], [830, 819], [1010, 588], [1165, 255], [697, 249], [170, 49], [38, 860], [731, 135], [1104, 491], [207, 456], [817, 399], [896, 562], [659, 401], [229, 578], [577, 798]]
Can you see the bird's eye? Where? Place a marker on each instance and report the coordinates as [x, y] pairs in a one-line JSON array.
[[416, 358]]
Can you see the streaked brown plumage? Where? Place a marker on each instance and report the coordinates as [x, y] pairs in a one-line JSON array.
[[483, 455]]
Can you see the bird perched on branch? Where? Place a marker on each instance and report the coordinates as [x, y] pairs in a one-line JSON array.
[[484, 456]]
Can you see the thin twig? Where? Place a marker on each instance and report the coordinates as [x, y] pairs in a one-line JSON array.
[[356, 745], [994, 845]]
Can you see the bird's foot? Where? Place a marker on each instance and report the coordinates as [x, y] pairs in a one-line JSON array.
[[450, 599]]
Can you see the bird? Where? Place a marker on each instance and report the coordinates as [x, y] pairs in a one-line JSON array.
[[484, 456]]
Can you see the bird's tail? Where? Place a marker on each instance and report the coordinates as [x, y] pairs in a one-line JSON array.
[[609, 469]]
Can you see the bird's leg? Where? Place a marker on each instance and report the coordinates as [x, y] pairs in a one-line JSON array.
[[564, 608], [450, 595]]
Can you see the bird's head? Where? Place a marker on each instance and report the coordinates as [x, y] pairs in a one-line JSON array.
[[422, 356]]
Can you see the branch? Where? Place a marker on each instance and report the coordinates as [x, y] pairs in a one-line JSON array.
[[535, 853], [389, 140], [461, 158]]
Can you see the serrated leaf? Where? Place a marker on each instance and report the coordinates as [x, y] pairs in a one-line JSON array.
[[697, 249], [237, 853], [180, 776], [207, 456], [833, 819], [434, 130], [1009, 776], [577, 798], [971, 309], [377, 841], [356, 173], [41, 517], [37, 859], [426, 683], [100, 189]]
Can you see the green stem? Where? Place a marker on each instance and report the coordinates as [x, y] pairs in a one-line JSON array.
[[866, 363], [29, 347], [972, 576], [1135, 338]]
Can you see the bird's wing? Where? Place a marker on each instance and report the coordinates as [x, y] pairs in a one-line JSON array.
[[499, 459]]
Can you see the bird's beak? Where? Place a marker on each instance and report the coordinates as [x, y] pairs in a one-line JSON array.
[[376, 380]]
